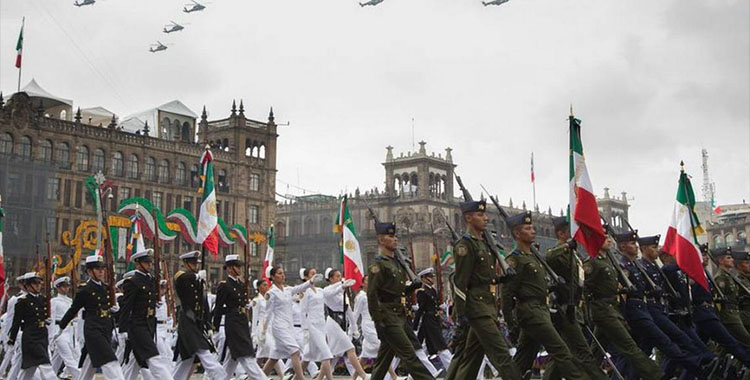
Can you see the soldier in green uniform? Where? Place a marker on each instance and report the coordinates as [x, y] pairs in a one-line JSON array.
[[742, 264], [529, 294], [729, 310], [386, 301], [564, 260], [602, 289], [474, 304]]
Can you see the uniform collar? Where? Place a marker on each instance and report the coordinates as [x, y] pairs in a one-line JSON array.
[[142, 273], [233, 278], [96, 282]]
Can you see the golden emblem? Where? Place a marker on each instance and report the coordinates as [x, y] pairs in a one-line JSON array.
[[511, 262], [349, 245]]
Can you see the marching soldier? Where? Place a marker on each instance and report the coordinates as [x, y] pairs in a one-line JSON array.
[[31, 316], [64, 351], [742, 263], [193, 328], [98, 323], [137, 315], [232, 302], [529, 294], [386, 299], [729, 313], [430, 329], [602, 289], [564, 260], [475, 308]]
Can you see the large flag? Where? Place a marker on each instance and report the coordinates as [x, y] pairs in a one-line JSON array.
[[2, 258], [136, 243], [585, 223], [681, 240], [351, 255], [268, 261], [19, 46], [208, 221]]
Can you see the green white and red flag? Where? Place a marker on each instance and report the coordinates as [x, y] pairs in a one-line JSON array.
[[681, 240], [208, 221], [585, 223], [268, 260], [350, 253], [19, 46], [136, 243]]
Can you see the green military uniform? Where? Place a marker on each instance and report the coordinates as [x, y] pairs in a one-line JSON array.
[[475, 310], [530, 302], [386, 301], [744, 298], [568, 319], [601, 288], [729, 309]]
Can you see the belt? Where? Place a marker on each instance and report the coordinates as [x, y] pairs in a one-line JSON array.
[[161, 322], [103, 313], [40, 324]]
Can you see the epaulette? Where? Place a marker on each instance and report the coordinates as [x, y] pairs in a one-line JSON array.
[[418, 290], [178, 274], [223, 282], [82, 285], [23, 297]]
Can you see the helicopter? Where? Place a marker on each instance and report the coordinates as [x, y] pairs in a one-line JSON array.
[[158, 46], [494, 2], [173, 27], [194, 7], [370, 3], [84, 2]]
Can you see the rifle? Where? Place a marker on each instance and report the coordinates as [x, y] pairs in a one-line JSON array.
[[711, 280], [168, 295], [157, 260], [438, 274], [399, 253], [607, 356], [454, 235], [247, 262], [495, 247], [620, 273], [109, 262], [48, 279], [635, 262]]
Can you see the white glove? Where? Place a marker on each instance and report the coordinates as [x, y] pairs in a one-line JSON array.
[[349, 282], [256, 340], [114, 309], [414, 308], [317, 278], [355, 334], [202, 274], [249, 306], [48, 321]]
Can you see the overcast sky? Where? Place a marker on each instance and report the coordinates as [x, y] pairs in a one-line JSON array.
[[654, 82]]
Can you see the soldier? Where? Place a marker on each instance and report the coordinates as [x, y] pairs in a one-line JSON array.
[[64, 351], [12, 352], [475, 307], [564, 260], [193, 328], [742, 264], [528, 293], [137, 316], [602, 289], [729, 312], [430, 330], [232, 302], [31, 316], [680, 307], [386, 300], [98, 323]]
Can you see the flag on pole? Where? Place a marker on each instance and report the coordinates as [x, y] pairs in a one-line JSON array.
[[447, 258], [268, 261], [2, 257], [532, 167], [208, 233], [19, 47], [136, 243], [681, 240], [351, 255], [585, 223]]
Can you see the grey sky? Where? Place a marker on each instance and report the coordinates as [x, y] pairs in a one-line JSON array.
[[652, 81]]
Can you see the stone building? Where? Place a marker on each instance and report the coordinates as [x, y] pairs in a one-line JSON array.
[[47, 151], [729, 227]]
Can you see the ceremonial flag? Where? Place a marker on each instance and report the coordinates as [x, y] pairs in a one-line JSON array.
[[208, 233], [585, 223], [19, 47], [681, 240], [2, 258], [268, 261], [136, 243], [351, 256]]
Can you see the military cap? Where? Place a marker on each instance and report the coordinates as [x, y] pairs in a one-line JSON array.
[[328, 272], [192, 256], [145, 255], [29, 277], [518, 220], [719, 252], [741, 255], [385, 228], [472, 206], [19, 278], [232, 260], [95, 261], [426, 272], [559, 222], [65, 280], [649, 240], [626, 236]]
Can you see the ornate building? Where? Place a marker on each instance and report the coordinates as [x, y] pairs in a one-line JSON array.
[[729, 227], [47, 151]]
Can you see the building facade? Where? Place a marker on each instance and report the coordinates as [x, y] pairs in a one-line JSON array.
[[729, 226]]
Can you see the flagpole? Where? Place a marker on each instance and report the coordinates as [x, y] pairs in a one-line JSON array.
[[533, 181], [23, 23]]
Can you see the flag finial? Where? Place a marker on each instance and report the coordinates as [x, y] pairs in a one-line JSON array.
[[571, 110], [682, 166]]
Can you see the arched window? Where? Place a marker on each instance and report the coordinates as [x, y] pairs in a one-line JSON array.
[[6, 143], [133, 166], [118, 164], [310, 227], [82, 159], [45, 150], [164, 171], [223, 184], [741, 238], [181, 174], [24, 147], [150, 172], [729, 239], [63, 153], [225, 145], [280, 229], [63, 115], [262, 152], [175, 131], [718, 241], [165, 128], [195, 179], [185, 135], [99, 161]]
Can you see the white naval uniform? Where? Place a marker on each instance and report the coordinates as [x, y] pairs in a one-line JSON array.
[[164, 333], [64, 350], [299, 333], [7, 323], [370, 341], [259, 319], [279, 314], [314, 321], [15, 356], [338, 340]]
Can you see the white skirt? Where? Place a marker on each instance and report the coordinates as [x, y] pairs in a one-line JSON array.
[[285, 344], [264, 349], [370, 341], [338, 341], [317, 348]]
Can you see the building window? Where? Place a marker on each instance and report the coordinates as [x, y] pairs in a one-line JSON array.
[[187, 204], [99, 161], [124, 193], [253, 248], [133, 167], [63, 154], [186, 132], [223, 184], [6, 143], [45, 150], [82, 160], [158, 196], [164, 171], [741, 238], [53, 189], [253, 214], [118, 164], [254, 182], [730, 240], [181, 174], [14, 192], [195, 179], [150, 172], [52, 226], [24, 147]]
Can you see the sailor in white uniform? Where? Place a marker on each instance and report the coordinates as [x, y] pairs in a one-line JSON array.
[[164, 329], [12, 354], [313, 322], [64, 351], [299, 331]]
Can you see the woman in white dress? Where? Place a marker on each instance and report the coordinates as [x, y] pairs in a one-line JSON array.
[[263, 349], [370, 341], [339, 341], [279, 315]]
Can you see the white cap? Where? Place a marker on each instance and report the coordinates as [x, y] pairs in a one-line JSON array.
[[163, 282], [302, 273], [61, 280], [94, 259], [191, 255], [31, 275], [426, 271], [255, 284], [328, 272], [231, 258], [147, 253]]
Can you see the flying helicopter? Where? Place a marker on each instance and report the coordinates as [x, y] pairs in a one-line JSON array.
[[173, 27], [84, 2], [194, 7], [494, 2], [370, 3], [158, 46]]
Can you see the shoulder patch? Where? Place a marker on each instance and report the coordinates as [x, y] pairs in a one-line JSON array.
[[374, 269], [512, 262], [461, 250], [178, 274]]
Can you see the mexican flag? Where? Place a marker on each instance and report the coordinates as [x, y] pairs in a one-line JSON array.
[[208, 233], [136, 243], [447, 258], [585, 223], [351, 255], [19, 46], [268, 261], [681, 240]]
